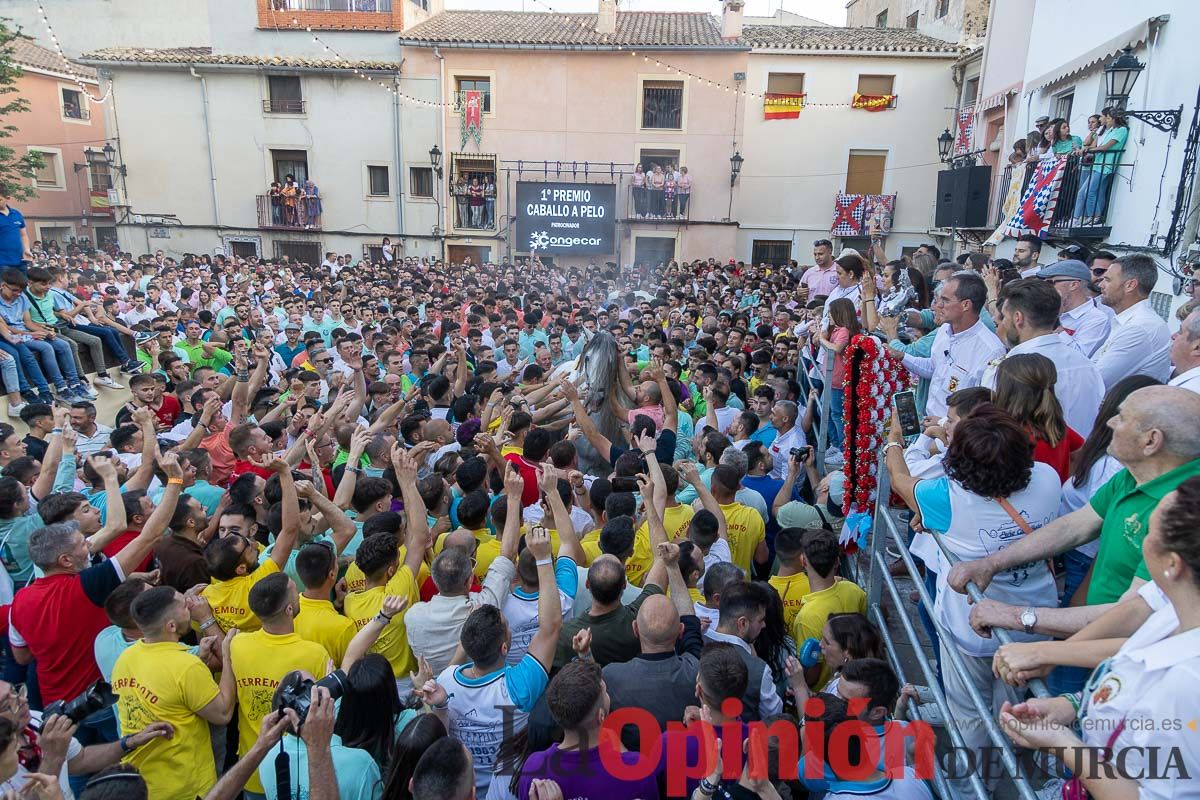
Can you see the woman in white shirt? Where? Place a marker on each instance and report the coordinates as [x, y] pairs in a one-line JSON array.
[[992, 495], [1140, 705]]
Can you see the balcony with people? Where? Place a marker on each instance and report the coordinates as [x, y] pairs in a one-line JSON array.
[[661, 193], [290, 205], [383, 15]]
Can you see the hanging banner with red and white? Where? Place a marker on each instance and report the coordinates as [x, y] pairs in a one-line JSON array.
[[471, 106], [966, 131]]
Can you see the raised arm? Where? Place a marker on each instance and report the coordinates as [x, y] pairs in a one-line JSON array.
[[341, 528], [242, 388], [584, 421], [569, 546], [349, 481], [668, 554], [417, 539], [115, 521], [44, 483], [653, 500], [286, 540], [141, 477], [201, 430], [364, 640], [689, 473], [152, 532], [220, 709], [545, 641]]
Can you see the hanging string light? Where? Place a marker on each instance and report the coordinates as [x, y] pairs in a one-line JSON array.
[[70, 65]]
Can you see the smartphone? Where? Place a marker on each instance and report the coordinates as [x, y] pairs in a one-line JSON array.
[[905, 404], [624, 484]]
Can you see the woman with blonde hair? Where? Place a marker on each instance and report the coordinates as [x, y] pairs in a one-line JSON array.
[[1025, 389]]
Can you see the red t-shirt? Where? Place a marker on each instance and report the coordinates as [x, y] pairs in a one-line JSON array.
[[241, 467], [168, 411], [58, 619], [429, 588], [118, 544], [1058, 457], [530, 494]]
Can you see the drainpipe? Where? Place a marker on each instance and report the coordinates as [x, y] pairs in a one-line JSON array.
[[443, 211], [212, 166], [398, 127]]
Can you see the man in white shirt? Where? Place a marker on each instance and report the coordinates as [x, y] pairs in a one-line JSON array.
[[1185, 353], [140, 311], [1026, 254], [1025, 318], [511, 360], [963, 345], [1140, 342], [784, 416], [1082, 318]]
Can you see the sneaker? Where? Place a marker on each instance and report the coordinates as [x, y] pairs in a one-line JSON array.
[[107, 382], [84, 388], [14, 409], [44, 397], [132, 367], [69, 394]]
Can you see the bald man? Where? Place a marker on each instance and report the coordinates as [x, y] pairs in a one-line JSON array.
[[660, 680], [1156, 439]]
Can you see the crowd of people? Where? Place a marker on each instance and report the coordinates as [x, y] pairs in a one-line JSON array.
[[387, 531]]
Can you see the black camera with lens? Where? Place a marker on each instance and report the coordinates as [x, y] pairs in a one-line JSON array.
[[96, 697], [297, 695]]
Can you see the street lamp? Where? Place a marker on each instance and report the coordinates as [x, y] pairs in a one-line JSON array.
[[944, 142], [1119, 78], [735, 167], [435, 160]]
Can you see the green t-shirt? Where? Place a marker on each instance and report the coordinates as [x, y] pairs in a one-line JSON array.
[[42, 309], [1125, 510], [1108, 160]]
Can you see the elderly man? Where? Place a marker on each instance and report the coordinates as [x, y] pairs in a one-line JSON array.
[[1140, 341], [1081, 316], [1156, 439]]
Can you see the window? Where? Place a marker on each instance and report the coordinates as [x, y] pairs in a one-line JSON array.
[[378, 183], [420, 181], [303, 252], [864, 172], [243, 249], [99, 177], [285, 96], [73, 104], [50, 176], [475, 85], [785, 83], [467, 171], [970, 92], [662, 104], [373, 253], [876, 84], [943, 8], [860, 243], [650, 158], [881, 19], [911, 22], [653, 250], [290, 162], [769, 251], [1063, 104]]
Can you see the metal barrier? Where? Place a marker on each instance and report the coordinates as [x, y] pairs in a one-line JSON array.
[[879, 577]]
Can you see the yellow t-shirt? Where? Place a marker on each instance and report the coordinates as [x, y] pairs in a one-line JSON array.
[[676, 520], [696, 595], [260, 660], [591, 551], [486, 549], [320, 622], [842, 597], [356, 581], [746, 530], [230, 600], [792, 590], [361, 608], [164, 682]]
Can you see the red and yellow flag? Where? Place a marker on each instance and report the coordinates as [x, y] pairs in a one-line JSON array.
[[780, 105], [873, 102]]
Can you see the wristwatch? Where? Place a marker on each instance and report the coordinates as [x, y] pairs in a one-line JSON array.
[[1029, 619]]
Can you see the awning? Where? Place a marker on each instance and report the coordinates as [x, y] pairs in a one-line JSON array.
[[997, 99], [1133, 37]]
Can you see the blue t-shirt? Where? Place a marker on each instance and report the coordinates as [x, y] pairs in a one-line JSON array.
[[358, 775], [933, 498], [11, 247], [14, 312]]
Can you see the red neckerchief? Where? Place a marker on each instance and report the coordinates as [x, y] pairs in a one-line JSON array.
[[29, 754]]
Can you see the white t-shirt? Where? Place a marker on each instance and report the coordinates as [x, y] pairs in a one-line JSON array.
[[74, 748]]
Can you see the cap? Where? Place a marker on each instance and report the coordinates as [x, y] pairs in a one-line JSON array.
[[800, 515], [291, 326], [1042, 118], [1067, 268]]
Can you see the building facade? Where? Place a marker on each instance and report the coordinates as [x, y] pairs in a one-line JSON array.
[[798, 164], [960, 21], [67, 128]]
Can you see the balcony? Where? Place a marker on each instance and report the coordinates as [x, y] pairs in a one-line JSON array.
[[473, 218], [364, 6], [649, 205], [331, 15], [1084, 195], [283, 106], [273, 212]]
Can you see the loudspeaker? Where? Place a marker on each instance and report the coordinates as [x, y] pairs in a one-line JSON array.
[[962, 197]]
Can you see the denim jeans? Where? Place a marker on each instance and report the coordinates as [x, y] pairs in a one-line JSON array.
[[27, 367], [56, 359], [837, 421], [108, 336], [11, 374], [1092, 198]]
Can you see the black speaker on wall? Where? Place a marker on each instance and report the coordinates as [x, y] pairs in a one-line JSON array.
[[962, 197]]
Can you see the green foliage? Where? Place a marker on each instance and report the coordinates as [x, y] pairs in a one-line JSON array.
[[15, 171]]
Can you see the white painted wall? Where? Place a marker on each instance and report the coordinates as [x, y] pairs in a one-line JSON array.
[[83, 25], [794, 168]]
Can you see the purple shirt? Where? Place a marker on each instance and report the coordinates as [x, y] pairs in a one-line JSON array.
[[582, 775]]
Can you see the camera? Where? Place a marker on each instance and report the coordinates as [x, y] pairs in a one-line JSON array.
[[298, 695], [95, 698], [625, 484], [801, 453]]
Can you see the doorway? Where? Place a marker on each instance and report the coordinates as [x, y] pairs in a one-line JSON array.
[[653, 250], [455, 253]]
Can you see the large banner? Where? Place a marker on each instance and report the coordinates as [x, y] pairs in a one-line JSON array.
[[566, 218]]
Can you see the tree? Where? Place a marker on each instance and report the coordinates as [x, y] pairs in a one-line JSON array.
[[15, 171]]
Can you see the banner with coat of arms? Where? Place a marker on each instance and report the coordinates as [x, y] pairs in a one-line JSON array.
[[1036, 209], [966, 131], [781, 105], [873, 102], [863, 214], [471, 108]]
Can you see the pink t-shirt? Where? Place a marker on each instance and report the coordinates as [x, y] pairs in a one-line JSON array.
[[655, 413], [818, 281], [840, 336]]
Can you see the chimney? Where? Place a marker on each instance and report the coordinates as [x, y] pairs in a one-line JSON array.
[[606, 19], [731, 19]]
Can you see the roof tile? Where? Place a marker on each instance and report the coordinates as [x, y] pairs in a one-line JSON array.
[[205, 55], [883, 40], [634, 29], [27, 53]]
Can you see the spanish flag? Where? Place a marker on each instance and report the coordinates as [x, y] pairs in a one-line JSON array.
[[873, 102], [777, 105]]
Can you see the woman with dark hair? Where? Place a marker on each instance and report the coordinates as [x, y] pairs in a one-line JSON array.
[[847, 636], [1095, 181], [992, 495], [411, 743], [775, 644], [1064, 142], [1025, 389], [370, 708]]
